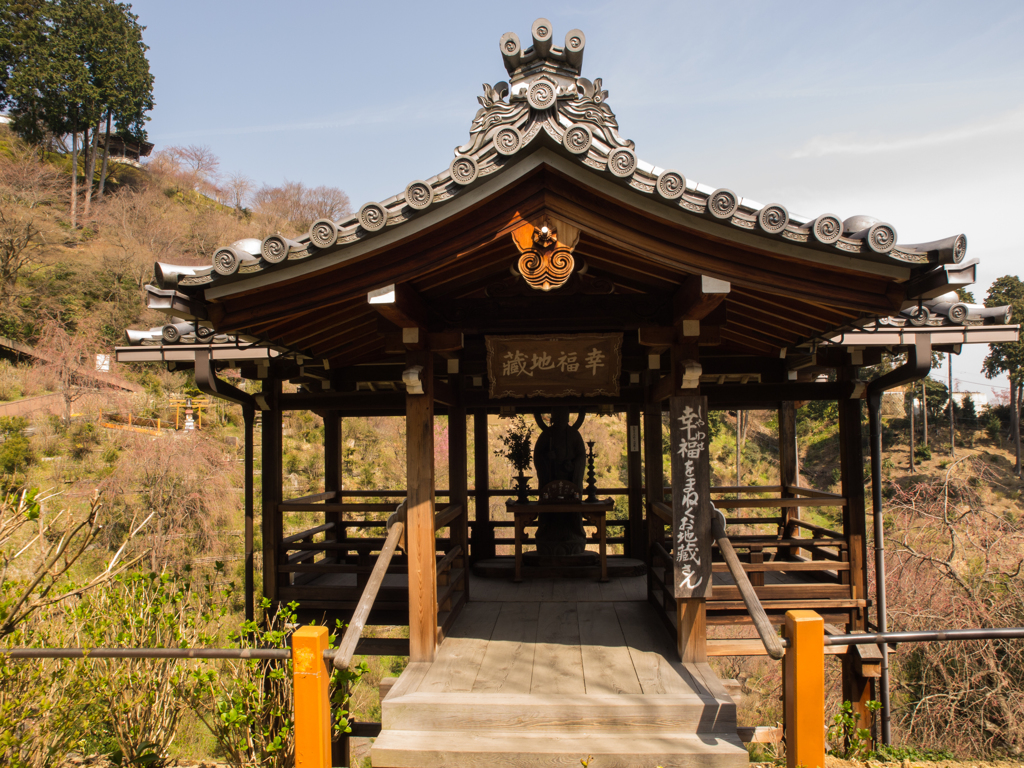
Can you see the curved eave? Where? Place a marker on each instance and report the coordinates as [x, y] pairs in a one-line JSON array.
[[354, 243]]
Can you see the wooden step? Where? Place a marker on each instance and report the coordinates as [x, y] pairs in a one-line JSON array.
[[559, 714], [469, 749]]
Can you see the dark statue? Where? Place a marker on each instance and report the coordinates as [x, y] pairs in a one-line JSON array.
[[560, 454]]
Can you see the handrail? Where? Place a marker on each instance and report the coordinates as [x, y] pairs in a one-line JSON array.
[[396, 529], [447, 515], [764, 627], [662, 510]]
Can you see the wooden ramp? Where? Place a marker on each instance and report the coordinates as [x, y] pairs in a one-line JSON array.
[[547, 682]]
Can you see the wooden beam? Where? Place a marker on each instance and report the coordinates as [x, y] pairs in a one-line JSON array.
[[441, 342], [419, 426]]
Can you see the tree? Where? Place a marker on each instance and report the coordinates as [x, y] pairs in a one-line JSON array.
[[68, 66], [294, 205], [26, 186], [65, 358], [1008, 356]]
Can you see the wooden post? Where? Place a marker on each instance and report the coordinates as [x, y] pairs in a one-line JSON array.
[[787, 465], [635, 539], [271, 480], [248, 418], [654, 472], [333, 452], [804, 673], [422, 547], [856, 687], [691, 523], [312, 702], [483, 534], [458, 474]]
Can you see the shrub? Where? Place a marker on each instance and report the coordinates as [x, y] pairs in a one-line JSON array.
[[923, 453], [82, 438], [247, 705], [142, 701], [15, 454]]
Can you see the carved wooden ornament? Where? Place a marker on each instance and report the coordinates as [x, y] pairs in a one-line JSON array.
[[546, 262]]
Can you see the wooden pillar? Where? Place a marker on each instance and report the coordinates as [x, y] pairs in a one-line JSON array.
[[333, 452], [803, 669], [690, 474], [248, 418], [635, 538], [458, 473], [857, 688], [271, 478], [419, 432], [691, 523], [851, 464], [654, 473], [483, 534], [787, 464]]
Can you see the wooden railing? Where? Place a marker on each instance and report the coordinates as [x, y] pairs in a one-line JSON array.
[[764, 628], [817, 568], [396, 529]]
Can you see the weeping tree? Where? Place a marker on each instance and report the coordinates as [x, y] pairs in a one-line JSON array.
[[68, 68], [1008, 356]]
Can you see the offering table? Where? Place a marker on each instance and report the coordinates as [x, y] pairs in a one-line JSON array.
[[594, 513]]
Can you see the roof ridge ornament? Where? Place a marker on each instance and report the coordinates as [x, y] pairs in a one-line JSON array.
[[546, 93]]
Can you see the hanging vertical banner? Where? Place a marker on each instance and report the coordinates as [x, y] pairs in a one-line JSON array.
[[691, 497]]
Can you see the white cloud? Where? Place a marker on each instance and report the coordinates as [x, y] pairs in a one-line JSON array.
[[1006, 123]]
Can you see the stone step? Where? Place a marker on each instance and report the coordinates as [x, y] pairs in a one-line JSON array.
[[676, 714], [472, 749]]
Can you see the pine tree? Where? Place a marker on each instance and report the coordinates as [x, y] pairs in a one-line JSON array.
[[68, 66], [1008, 356]]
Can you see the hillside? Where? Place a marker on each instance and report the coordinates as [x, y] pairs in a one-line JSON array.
[[954, 525]]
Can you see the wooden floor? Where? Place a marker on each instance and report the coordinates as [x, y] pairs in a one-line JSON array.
[[565, 647], [546, 672]]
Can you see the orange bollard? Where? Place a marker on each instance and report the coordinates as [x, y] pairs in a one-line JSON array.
[[312, 702], [803, 669]]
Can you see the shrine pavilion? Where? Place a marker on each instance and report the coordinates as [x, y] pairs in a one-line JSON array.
[[550, 270]]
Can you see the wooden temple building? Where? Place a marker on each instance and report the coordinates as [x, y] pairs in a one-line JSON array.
[[550, 270]]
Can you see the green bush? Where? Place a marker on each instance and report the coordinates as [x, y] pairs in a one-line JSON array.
[[247, 705], [923, 453], [15, 454], [82, 438]]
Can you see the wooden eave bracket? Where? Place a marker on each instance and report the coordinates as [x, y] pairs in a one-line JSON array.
[[175, 304], [400, 304], [697, 297], [940, 280]]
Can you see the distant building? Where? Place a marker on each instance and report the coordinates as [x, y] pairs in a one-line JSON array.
[[125, 149]]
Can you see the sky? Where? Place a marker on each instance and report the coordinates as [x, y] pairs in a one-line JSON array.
[[911, 112]]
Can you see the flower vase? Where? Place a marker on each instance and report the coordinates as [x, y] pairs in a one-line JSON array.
[[522, 488]]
